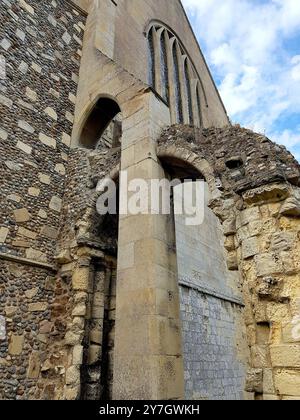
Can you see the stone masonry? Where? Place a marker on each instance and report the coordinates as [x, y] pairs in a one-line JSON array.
[[126, 306]]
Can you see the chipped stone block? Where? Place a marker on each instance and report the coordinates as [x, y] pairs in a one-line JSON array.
[[16, 343], [5, 44], [254, 381], [27, 233], [51, 113], [35, 255], [60, 169], [31, 94], [48, 141], [34, 365], [55, 204], [36, 68], [3, 234], [22, 215], [77, 355], [38, 307], [49, 232], [20, 34], [66, 38], [291, 207], [24, 125], [24, 147], [66, 139], [34, 192], [250, 248], [267, 264]]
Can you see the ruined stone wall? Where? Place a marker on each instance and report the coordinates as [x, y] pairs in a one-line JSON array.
[[41, 45], [256, 195]]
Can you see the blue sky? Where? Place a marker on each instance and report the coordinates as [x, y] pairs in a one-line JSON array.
[[253, 50]]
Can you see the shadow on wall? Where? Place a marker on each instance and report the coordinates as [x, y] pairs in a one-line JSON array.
[[104, 116]]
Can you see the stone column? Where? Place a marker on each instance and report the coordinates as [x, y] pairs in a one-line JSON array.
[[148, 355]]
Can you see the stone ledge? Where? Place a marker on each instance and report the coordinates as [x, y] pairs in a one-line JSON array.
[[26, 261]]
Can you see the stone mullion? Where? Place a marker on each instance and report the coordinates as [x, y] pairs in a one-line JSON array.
[[184, 96], [172, 81], [158, 64]]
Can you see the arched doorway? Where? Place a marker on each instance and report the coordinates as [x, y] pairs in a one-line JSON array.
[[103, 127], [211, 306]]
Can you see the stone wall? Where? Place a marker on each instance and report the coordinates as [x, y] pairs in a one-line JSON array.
[[41, 44], [212, 331], [255, 194]]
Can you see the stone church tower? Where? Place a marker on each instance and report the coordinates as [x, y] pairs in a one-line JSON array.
[[136, 306]]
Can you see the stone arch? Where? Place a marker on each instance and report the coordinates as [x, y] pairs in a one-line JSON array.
[[188, 157], [97, 118]]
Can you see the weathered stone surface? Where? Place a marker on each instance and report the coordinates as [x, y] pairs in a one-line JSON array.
[[266, 264], [22, 215], [34, 366], [254, 382], [291, 207], [55, 204], [77, 355], [16, 343], [73, 376], [250, 248], [3, 234], [287, 382], [286, 355], [38, 307]]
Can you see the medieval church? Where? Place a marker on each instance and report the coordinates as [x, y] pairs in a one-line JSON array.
[[137, 307]]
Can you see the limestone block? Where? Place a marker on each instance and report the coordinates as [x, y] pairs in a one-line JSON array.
[[283, 241], [266, 264], [250, 248], [3, 134], [31, 293], [29, 9], [249, 215], [27, 233], [55, 204], [35, 255], [285, 355], [34, 366], [80, 279], [254, 381], [94, 354], [24, 125], [79, 310], [291, 207], [66, 139], [14, 197], [34, 192], [51, 113], [60, 169], [44, 179], [73, 375], [10, 311], [291, 332], [38, 307], [3, 234], [72, 339], [268, 382], [24, 147], [77, 357], [266, 194], [42, 214], [287, 382], [48, 141], [232, 261], [96, 336], [49, 232], [22, 215], [31, 94], [260, 356], [16, 343]]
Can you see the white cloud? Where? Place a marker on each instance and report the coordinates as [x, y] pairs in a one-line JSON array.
[[245, 42]]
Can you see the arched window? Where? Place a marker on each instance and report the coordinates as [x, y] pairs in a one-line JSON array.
[[151, 59], [198, 98], [173, 75], [179, 112], [101, 116], [188, 91], [164, 66]]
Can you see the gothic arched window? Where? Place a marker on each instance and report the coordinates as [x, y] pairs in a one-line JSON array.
[[151, 59], [188, 91], [179, 112], [164, 66]]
